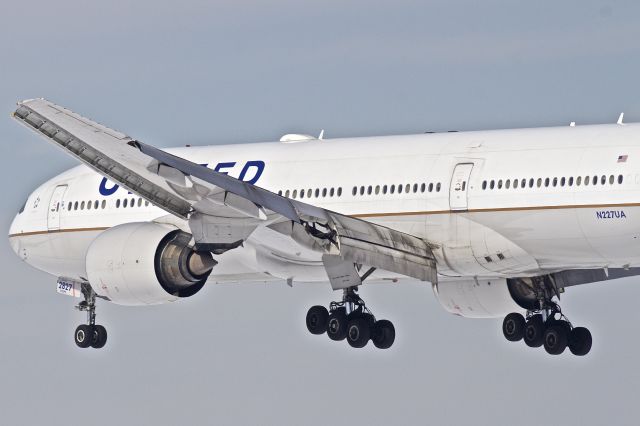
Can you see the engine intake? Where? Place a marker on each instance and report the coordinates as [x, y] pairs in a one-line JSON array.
[[146, 263]]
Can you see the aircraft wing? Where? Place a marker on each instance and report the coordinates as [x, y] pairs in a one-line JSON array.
[[223, 211]]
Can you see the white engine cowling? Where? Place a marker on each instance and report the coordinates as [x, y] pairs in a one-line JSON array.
[[146, 263], [481, 298]]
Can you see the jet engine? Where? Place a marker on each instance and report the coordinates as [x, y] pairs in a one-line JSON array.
[[481, 298], [146, 263]]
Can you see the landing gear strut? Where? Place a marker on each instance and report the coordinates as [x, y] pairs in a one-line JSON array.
[[90, 334], [350, 319], [547, 327]]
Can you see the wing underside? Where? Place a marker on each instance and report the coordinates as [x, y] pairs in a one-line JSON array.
[[223, 211]]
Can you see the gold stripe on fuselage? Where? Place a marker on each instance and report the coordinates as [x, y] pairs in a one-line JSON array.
[[411, 213]]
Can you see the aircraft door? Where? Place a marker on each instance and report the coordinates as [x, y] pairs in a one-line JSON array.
[[55, 206], [460, 187]]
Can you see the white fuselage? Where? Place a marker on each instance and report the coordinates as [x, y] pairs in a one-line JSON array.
[[507, 203]]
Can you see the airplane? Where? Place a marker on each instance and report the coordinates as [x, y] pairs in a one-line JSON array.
[[500, 223]]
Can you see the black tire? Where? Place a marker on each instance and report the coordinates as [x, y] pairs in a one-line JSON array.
[[99, 336], [383, 334], [84, 336], [555, 339], [534, 332], [337, 324], [317, 319], [358, 332], [513, 327], [580, 341]]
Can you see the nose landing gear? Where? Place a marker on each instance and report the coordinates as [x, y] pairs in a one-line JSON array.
[[90, 334], [350, 319]]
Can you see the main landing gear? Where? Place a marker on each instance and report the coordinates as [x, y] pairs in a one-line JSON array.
[[548, 327], [91, 334], [350, 319]]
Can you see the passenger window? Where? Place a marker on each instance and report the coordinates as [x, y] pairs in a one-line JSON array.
[[117, 203], [280, 193], [295, 193], [400, 189], [377, 189], [407, 188], [104, 204], [146, 203], [539, 184], [603, 179], [620, 179], [611, 180], [301, 193], [562, 181], [331, 192], [125, 203], [500, 184], [523, 184], [594, 180], [555, 182], [355, 190], [392, 189], [89, 203], [369, 190], [324, 192], [515, 184], [484, 184], [82, 206], [384, 189], [531, 183], [438, 187], [339, 191], [546, 182], [507, 184], [415, 187], [492, 184], [139, 202], [68, 207], [431, 187], [571, 181], [423, 187], [286, 193], [362, 190]]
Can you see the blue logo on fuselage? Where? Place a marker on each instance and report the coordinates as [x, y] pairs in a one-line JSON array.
[[250, 173]]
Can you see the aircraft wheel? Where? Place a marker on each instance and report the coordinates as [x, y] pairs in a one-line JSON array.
[[513, 327], [358, 332], [534, 331], [84, 335], [580, 341], [337, 324], [99, 336], [383, 334], [555, 339], [317, 319]]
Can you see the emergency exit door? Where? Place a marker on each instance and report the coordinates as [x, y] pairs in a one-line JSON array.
[[459, 188], [55, 206]]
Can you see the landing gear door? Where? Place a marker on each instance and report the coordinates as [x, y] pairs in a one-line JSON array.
[[459, 188], [55, 207]]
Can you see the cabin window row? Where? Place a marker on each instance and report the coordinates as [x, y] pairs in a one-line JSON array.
[[312, 193], [553, 182], [392, 189], [95, 205]]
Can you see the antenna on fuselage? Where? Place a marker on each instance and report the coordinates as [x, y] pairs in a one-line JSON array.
[[621, 118]]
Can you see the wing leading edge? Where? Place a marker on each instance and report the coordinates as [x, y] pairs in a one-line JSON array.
[[223, 211]]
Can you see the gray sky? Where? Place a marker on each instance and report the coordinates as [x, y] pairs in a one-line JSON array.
[[229, 72]]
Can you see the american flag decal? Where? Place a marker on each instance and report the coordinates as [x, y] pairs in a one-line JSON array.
[[622, 158]]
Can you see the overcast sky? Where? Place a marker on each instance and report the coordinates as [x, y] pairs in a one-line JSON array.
[[204, 72]]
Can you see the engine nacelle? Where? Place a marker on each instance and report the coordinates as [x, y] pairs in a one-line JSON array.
[[146, 263], [481, 298]]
